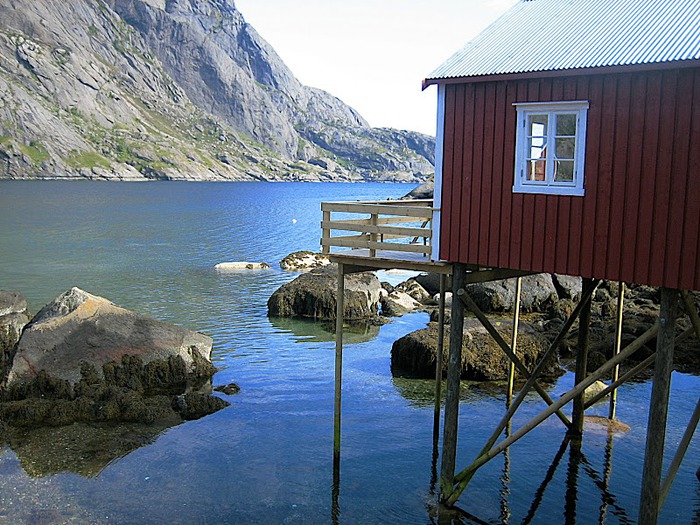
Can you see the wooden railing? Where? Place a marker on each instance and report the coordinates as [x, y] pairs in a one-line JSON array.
[[399, 226]]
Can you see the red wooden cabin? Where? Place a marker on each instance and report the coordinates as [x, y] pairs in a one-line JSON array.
[[569, 142]]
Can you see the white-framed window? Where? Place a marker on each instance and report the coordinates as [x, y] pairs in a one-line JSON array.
[[550, 144]]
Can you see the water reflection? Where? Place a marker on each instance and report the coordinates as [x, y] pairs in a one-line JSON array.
[[324, 331], [84, 449]]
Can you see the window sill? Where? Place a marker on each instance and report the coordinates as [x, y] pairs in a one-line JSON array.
[[550, 190]]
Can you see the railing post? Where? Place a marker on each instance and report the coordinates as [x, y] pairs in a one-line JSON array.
[[373, 235], [326, 233]]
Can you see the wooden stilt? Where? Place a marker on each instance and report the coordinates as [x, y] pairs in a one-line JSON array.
[[584, 323], [454, 371], [514, 338], [438, 360], [618, 345], [340, 313], [658, 410]]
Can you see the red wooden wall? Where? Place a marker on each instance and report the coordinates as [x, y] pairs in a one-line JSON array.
[[639, 220]]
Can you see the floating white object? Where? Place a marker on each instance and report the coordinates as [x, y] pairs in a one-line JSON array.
[[236, 266]]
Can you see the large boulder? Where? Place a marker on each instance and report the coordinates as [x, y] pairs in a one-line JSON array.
[[538, 292], [78, 327], [313, 295], [482, 359]]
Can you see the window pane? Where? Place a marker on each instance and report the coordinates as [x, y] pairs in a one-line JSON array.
[[537, 147], [564, 171], [566, 125], [536, 169], [565, 148], [537, 125]]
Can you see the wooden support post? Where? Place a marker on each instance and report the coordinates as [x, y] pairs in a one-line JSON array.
[[438, 360], [584, 323], [340, 313], [618, 345], [658, 410], [454, 371], [514, 338], [373, 236]]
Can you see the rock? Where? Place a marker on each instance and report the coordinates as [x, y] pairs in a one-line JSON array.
[[78, 327], [423, 191], [482, 359], [431, 282], [13, 312], [313, 295], [415, 290], [237, 266], [608, 425], [593, 390], [538, 291], [195, 405], [13, 318], [398, 303], [568, 287], [229, 390], [303, 261]]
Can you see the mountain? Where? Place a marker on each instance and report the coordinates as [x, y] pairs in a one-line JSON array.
[[174, 89]]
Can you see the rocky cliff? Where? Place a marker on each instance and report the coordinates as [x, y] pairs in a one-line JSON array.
[[174, 89]]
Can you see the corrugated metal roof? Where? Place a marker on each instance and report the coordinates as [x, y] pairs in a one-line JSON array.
[[547, 35]]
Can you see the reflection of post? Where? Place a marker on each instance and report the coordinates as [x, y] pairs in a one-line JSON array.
[[607, 470], [335, 493], [572, 483], [505, 480], [548, 477]]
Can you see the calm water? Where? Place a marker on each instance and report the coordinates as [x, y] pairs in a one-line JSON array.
[[268, 457]]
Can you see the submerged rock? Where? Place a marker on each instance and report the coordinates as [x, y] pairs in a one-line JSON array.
[[303, 261], [314, 295], [13, 318], [482, 358]]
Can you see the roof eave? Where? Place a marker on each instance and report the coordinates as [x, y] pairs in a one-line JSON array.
[[528, 75]]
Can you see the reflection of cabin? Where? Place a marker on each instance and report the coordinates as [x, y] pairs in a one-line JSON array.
[[568, 141]]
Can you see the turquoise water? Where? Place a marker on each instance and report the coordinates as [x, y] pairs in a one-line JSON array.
[[268, 457]]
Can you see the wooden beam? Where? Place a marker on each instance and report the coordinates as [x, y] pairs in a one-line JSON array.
[[563, 400], [420, 212], [469, 302], [398, 231], [658, 410], [494, 274], [454, 371]]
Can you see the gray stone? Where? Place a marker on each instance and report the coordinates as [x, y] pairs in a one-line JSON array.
[[303, 261], [482, 359], [78, 327], [537, 293], [240, 265], [567, 286], [415, 290], [398, 303], [314, 295]]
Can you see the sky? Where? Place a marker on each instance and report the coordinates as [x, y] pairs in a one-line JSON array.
[[372, 54]]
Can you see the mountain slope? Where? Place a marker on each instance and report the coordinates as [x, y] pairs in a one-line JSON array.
[[174, 89]]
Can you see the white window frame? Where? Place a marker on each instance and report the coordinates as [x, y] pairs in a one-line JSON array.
[[549, 186]]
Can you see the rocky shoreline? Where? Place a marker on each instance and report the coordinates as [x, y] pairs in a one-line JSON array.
[[546, 302]]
